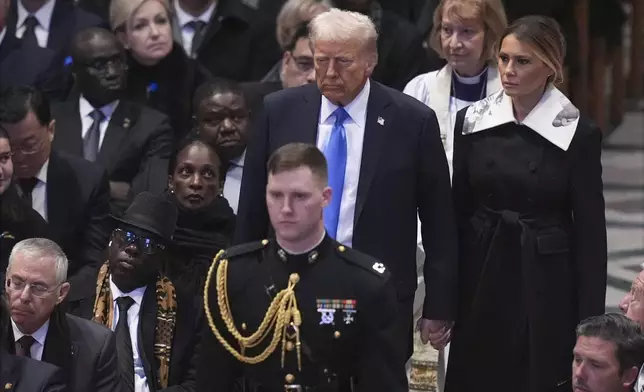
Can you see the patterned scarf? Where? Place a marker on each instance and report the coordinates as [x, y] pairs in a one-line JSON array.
[[166, 317]]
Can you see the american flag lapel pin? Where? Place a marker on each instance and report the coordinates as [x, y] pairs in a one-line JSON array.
[[381, 121]]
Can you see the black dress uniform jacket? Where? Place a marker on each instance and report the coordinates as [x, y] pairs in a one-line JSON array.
[[349, 345], [532, 237], [22, 374]]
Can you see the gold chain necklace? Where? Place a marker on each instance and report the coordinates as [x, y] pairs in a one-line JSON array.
[[281, 314]]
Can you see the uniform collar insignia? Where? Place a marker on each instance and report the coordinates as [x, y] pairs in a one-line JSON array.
[[555, 118], [311, 257]]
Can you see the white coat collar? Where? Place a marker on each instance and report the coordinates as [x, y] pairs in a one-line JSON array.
[[554, 117]]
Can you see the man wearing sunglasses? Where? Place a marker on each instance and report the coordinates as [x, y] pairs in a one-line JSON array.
[[156, 325]]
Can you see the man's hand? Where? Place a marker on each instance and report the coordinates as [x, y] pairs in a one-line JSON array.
[[119, 190], [436, 332]]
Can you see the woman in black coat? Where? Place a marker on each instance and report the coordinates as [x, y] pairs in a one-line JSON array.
[[528, 192], [18, 221], [206, 222]]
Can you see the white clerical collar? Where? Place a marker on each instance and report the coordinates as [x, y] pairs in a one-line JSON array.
[[43, 15], [554, 117], [40, 335]]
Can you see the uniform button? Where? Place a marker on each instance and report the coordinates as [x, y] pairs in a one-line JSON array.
[[341, 248], [532, 166], [244, 326], [289, 378], [289, 346], [337, 334]]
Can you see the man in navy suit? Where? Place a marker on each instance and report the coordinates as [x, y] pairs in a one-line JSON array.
[[386, 164]]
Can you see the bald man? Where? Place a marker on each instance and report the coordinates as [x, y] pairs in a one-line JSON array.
[[131, 141]]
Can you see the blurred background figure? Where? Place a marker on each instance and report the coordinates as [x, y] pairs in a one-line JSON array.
[[206, 223]]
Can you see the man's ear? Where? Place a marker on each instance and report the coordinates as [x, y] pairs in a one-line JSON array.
[[51, 130], [327, 194], [64, 290], [630, 376], [170, 186]]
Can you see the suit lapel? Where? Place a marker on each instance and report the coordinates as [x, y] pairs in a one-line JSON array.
[[10, 372], [58, 348], [309, 116], [147, 326], [121, 121], [379, 119], [69, 129], [62, 23], [57, 195]]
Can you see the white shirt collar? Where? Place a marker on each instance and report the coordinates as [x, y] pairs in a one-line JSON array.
[[239, 161], [86, 108], [2, 34], [42, 173], [357, 109], [43, 15], [136, 294], [40, 335], [184, 18], [554, 117]]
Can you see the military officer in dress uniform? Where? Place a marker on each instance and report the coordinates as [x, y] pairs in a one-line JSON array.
[[300, 312]]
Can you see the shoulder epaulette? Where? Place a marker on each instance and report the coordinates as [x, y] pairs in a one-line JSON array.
[[362, 260], [242, 249]]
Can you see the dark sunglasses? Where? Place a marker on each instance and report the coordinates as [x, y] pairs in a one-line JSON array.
[[145, 245]]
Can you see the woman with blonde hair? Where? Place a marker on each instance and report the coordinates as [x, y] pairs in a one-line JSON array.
[[466, 34], [527, 189]]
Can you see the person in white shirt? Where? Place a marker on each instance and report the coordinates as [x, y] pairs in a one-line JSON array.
[[632, 305], [222, 120], [193, 17], [608, 354]]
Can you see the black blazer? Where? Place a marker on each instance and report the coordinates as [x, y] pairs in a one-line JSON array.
[[403, 170], [84, 350], [238, 43], [22, 374], [78, 207], [137, 146], [189, 322]]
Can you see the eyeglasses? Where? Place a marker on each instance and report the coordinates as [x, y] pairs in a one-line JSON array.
[[145, 245], [30, 149], [35, 289]]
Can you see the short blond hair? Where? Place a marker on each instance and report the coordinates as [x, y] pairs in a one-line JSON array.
[[293, 14], [340, 26], [121, 11], [490, 13]]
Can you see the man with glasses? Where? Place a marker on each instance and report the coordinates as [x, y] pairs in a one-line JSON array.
[[36, 285], [132, 142], [70, 193], [156, 324]]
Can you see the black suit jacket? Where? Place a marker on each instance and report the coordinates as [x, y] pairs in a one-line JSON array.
[[21, 374], [78, 197], [189, 323], [39, 67], [403, 170], [84, 350], [136, 148], [238, 43]]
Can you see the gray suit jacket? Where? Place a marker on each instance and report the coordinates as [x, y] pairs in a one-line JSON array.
[[84, 350], [20, 374]]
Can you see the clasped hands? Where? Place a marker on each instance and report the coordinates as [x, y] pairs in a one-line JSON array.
[[437, 332]]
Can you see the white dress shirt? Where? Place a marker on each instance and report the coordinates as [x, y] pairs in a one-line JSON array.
[[39, 336], [43, 16], [86, 109], [232, 184], [39, 193], [354, 127], [140, 381], [187, 32]]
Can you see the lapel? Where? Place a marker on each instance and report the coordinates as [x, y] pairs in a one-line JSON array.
[[380, 116], [147, 326], [226, 9], [62, 25], [59, 349], [58, 205], [120, 123], [69, 129], [440, 95], [10, 372], [309, 116]]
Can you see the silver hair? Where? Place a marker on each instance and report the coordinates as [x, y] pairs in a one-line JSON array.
[[44, 249], [293, 14], [336, 25]]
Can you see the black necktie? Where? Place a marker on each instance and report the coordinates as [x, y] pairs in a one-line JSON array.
[[93, 136], [23, 348], [29, 37], [124, 344], [27, 186], [197, 26]]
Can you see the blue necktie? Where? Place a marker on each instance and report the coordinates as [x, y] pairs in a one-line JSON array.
[[336, 158]]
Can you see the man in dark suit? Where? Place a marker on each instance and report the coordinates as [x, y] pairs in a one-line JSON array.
[[22, 374], [35, 288], [386, 163], [156, 340], [132, 142], [70, 193], [228, 38]]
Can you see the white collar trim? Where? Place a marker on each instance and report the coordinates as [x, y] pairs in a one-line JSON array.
[[554, 117]]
